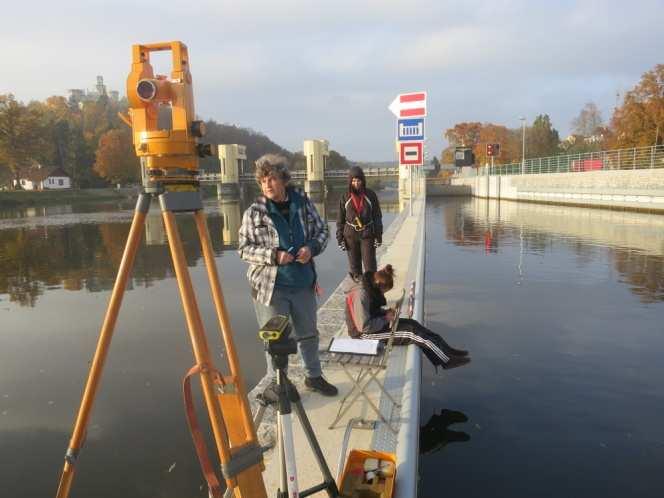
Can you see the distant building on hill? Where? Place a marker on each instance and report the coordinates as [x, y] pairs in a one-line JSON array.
[[40, 177], [78, 96]]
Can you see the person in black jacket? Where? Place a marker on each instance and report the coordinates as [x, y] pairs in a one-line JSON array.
[[360, 224]]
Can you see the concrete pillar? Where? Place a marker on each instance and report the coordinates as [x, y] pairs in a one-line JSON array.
[[318, 200], [316, 153], [155, 233], [404, 181], [231, 217], [232, 161]]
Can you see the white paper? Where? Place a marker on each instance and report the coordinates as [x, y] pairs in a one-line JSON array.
[[355, 346]]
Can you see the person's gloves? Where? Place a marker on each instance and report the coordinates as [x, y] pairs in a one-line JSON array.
[[342, 246]]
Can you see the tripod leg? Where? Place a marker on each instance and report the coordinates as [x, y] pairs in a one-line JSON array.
[[283, 488], [196, 333], [236, 434], [290, 469], [331, 488], [103, 344], [248, 483]]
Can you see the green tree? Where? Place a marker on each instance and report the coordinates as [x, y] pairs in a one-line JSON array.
[[337, 161], [542, 138]]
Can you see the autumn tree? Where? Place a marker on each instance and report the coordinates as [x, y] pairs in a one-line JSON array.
[[115, 157], [477, 135], [20, 133], [542, 138], [639, 121], [464, 134]]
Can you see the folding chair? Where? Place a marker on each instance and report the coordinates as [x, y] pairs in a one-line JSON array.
[[368, 368]]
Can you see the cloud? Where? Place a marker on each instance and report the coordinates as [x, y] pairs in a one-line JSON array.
[[296, 68]]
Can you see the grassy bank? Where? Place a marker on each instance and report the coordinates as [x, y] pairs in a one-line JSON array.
[[22, 198]]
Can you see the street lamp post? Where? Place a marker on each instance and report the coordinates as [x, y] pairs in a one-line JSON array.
[[523, 145]]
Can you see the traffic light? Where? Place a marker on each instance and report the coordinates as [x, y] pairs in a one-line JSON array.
[[492, 150]]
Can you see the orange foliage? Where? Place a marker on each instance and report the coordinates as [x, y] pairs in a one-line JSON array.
[[115, 158], [640, 119], [477, 135]]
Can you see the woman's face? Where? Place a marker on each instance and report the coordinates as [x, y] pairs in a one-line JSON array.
[[382, 287], [356, 183], [274, 188]]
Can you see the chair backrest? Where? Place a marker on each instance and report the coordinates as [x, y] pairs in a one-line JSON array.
[[393, 329]]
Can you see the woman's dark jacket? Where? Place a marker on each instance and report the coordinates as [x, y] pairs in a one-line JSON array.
[[364, 307], [370, 217]]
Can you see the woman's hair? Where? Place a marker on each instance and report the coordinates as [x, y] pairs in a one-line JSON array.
[[384, 277], [272, 164]]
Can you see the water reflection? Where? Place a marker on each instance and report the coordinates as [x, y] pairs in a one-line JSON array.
[[436, 434], [86, 256], [633, 242], [54, 247], [564, 316], [231, 216], [58, 269]]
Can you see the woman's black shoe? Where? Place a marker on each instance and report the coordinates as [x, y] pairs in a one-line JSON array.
[[320, 385], [456, 361]]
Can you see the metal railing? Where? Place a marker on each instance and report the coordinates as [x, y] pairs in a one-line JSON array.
[[301, 174], [635, 158]]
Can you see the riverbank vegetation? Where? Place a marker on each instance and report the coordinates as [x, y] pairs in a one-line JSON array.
[[24, 198], [93, 146], [636, 122]]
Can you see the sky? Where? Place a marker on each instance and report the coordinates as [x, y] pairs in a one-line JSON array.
[[301, 69]]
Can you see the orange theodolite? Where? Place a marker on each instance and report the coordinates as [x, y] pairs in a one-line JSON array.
[[169, 163]]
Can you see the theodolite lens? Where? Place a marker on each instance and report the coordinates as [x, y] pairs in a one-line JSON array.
[[146, 90]]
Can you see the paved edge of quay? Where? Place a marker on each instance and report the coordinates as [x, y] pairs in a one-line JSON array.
[[403, 247]]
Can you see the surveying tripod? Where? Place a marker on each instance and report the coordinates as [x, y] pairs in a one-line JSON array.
[[280, 346], [169, 168]]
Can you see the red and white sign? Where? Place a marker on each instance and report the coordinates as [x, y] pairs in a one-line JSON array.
[[410, 153], [409, 105]]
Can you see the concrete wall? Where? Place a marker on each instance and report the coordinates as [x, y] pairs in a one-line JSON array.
[[441, 190], [640, 189]]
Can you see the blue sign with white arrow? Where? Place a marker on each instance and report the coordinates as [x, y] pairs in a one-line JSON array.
[[410, 129]]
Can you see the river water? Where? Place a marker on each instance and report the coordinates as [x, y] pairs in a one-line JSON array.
[[561, 309]]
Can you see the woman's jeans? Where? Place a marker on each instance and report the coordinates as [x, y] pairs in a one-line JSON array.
[[300, 305]]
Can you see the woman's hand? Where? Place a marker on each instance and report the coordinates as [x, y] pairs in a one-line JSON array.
[[389, 315], [303, 255], [284, 258]]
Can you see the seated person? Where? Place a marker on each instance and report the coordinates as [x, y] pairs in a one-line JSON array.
[[366, 319]]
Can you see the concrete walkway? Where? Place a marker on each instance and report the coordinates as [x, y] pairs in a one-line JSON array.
[[400, 248]]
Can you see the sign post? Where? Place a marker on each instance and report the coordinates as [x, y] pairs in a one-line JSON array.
[[410, 110]]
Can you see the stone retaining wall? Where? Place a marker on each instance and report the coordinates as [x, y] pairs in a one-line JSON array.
[[640, 189]]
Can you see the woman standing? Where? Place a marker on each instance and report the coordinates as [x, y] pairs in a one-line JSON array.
[[360, 224]]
